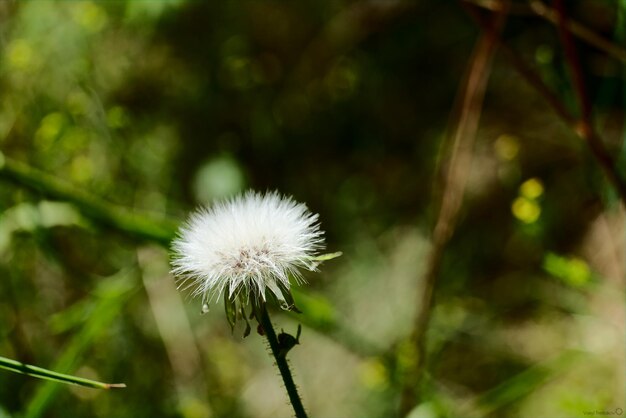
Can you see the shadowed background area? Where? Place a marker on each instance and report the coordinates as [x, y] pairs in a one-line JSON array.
[[410, 127]]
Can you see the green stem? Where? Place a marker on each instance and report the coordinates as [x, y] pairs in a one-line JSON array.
[[139, 225], [27, 369], [281, 362]]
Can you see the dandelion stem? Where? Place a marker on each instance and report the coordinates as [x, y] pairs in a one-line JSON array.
[[281, 361]]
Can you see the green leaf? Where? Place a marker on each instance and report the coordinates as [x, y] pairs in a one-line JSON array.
[[526, 382], [291, 303], [571, 270], [245, 318], [326, 257], [230, 307]]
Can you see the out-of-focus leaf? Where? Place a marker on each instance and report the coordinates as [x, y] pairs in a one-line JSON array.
[[143, 226], [526, 382], [108, 299], [572, 271]]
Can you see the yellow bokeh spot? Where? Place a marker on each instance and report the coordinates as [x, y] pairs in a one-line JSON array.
[[20, 54], [74, 138], [342, 79], [374, 374], [82, 169], [77, 102], [194, 408], [531, 188], [526, 210], [237, 72], [90, 16], [49, 129], [579, 272], [407, 356], [544, 54], [506, 147], [117, 117]]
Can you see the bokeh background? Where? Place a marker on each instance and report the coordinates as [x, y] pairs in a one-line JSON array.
[[148, 108]]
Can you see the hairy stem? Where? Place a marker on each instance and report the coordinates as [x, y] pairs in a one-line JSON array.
[[281, 361]]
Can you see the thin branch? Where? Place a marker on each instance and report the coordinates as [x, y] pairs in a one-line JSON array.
[[586, 129], [459, 165], [526, 72], [583, 130], [579, 30], [571, 55], [540, 9]]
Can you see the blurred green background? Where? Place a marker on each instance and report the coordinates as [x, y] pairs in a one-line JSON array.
[[156, 106]]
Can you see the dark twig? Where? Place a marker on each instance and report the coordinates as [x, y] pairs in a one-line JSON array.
[[580, 31], [540, 9], [525, 71], [574, 63], [585, 128], [472, 95]]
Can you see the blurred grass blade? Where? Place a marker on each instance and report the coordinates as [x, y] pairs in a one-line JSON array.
[[41, 373], [144, 226], [526, 382], [108, 299]]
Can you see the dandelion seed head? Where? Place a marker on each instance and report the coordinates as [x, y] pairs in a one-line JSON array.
[[248, 244]]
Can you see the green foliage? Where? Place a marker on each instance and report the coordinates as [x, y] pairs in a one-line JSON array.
[[119, 117], [572, 271]]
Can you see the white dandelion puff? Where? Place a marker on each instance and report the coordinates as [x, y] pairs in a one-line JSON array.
[[244, 245]]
